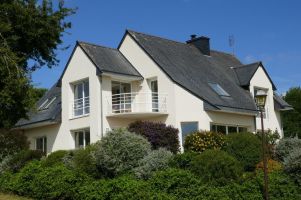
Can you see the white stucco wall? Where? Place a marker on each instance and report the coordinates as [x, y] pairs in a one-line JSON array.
[[272, 120], [50, 131]]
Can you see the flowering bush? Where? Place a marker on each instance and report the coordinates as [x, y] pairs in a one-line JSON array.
[[292, 164], [273, 165], [158, 134], [286, 146], [201, 141]]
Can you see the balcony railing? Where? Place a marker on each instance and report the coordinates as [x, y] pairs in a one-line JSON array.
[[151, 102], [80, 107]]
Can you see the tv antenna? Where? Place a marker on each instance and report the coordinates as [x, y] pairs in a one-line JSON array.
[[231, 43]]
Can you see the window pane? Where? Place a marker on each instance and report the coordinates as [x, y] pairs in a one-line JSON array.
[[218, 89], [87, 137], [221, 129], [80, 139], [86, 88], [242, 129], [188, 127], [232, 129], [39, 144], [213, 128]]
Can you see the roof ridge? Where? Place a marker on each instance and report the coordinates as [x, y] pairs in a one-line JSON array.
[[97, 45], [157, 37], [247, 65]]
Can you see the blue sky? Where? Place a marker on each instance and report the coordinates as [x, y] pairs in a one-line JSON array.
[[269, 31]]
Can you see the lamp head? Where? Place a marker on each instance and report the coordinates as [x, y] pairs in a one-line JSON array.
[[260, 98]]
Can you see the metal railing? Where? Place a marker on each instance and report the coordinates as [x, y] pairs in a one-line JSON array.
[[137, 102], [80, 107]]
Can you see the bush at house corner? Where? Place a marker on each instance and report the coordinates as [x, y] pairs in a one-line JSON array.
[[158, 134]]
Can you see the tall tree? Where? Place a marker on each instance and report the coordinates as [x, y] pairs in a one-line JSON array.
[[29, 30], [292, 119]]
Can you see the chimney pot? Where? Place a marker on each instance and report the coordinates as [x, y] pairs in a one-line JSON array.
[[193, 36], [202, 43]]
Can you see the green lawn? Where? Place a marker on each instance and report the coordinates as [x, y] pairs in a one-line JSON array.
[[11, 197]]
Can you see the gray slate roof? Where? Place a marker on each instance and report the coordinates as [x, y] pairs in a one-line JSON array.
[[108, 59], [52, 114], [192, 70], [246, 72], [280, 104]]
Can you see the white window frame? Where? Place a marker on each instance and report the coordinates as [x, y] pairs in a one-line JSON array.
[[76, 138], [227, 127], [44, 144], [85, 104]]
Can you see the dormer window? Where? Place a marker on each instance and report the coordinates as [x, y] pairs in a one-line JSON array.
[[219, 90]]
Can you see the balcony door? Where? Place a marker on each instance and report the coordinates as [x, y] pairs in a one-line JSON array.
[[81, 98], [155, 97], [121, 97]]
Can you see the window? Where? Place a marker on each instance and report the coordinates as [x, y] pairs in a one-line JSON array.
[[188, 127], [155, 97], [81, 105], [218, 89], [227, 129], [41, 144], [82, 138], [121, 97]]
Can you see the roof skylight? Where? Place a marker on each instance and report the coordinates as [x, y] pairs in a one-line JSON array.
[[46, 104], [218, 89]]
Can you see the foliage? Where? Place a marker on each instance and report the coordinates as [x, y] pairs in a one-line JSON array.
[[183, 160], [124, 187], [15, 162], [286, 146], [281, 186], [54, 158], [37, 93], [271, 139], [180, 183], [292, 119], [216, 167], [155, 160], [158, 134], [272, 166], [119, 151], [201, 141], [246, 148], [30, 30], [292, 164], [56, 182], [12, 142]]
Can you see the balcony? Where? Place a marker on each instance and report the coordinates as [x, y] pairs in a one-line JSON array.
[[133, 105]]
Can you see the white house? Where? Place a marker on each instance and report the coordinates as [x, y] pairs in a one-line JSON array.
[[186, 85]]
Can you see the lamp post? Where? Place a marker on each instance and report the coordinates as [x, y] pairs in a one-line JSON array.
[[260, 98]]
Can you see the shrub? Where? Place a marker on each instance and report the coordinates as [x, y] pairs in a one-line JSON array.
[[155, 160], [15, 162], [272, 166], [56, 182], [246, 148], [183, 160], [285, 146], [292, 164], [84, 160], [12, 142], [119, 151], [216, 167], [55, 158], [180, 183], [281, 186], [201, 141], [158, 134]]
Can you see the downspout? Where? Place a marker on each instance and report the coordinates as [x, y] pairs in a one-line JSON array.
[[101, 107]]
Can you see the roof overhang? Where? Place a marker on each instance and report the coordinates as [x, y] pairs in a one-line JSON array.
[[119, 76], [35, 125]]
